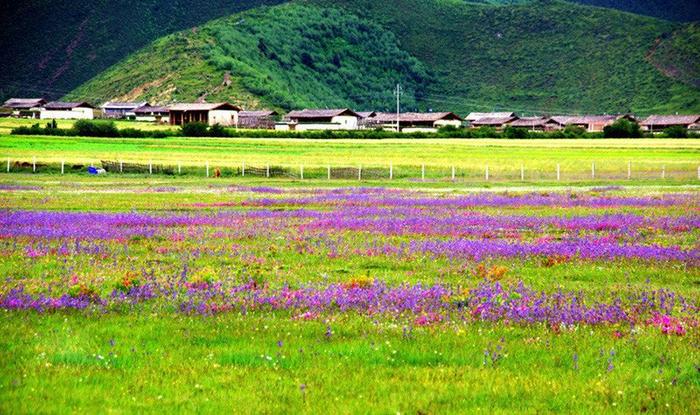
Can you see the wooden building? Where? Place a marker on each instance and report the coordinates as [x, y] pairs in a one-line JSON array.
[[223, 113], [658, 123], [475, 116], [264, 119], [25, 107], [498, 123]]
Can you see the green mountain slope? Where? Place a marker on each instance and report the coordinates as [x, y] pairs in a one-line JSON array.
[[556, 57], [49, 47]]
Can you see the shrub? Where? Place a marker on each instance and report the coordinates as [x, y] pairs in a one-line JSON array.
[[95, 128], [676, 131], [217, 130], [512, 132], [195, 129], [574, 131], [622, 128]]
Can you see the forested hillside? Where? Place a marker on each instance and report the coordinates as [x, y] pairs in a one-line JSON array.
[[49, 47], [556, 57]]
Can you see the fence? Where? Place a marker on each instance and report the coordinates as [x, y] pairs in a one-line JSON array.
[[523, 172]]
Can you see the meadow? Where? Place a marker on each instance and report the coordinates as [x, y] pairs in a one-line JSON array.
[[152, 294]]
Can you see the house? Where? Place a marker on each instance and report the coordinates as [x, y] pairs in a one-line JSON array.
[[121, 109], [264, 119], [152, 114], [315, 119], [222, 113], [475, 116], [532, 123], [411, 122], [590, 123], [25, 107], [67, 111], [498, 123], [661, 122]]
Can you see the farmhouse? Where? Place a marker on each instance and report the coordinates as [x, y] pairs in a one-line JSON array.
[[494, 122], [475, 116], [264, 119], [68, 111], [533, 123], [25, 107], [661, 122], [315, 119], [153, 114], [596, 123], [411, 122], [121, 109], [224, 114]]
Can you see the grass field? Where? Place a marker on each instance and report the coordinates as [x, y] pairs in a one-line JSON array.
[[135, 294], [648, 159]]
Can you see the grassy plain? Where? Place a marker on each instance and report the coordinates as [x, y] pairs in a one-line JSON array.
[[150, 358]]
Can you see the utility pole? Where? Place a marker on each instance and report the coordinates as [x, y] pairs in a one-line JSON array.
[[398, 93]]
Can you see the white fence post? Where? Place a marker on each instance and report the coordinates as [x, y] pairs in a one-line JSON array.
[[267, 171], [243, 169], [329, 172], [150, 167], [558, 172], [629, 170], [301, 172], [8, 167], [121, 166], [34, 165], [453, 173], [487, 172], [422, 172], [391, 171], [359, 173], [663, 171], [179, 167], [522, 172], [207, 164], [698, 173], [63, 165], [593, 170]]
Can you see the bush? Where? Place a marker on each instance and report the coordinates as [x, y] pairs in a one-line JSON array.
[[217, 130], [676, 131], [195, 129], [622, 128], [89, 128], [512, 132], [574, 131]]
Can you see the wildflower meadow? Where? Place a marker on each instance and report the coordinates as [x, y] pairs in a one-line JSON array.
[[229, 297]]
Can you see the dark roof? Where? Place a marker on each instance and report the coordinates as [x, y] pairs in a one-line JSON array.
[[123, 105], [148, 109], [366, 114], [593, 119], [24, 102], [257, 114], [561, 119], [204, 107], [56, 105], [671, 120], [416, 116], [474, 116], [322, 113], [529, 122]]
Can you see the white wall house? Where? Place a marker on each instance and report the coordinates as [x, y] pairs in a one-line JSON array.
[[67, 111], [318, 120], [223, 113], [412, 122], [152, 114]]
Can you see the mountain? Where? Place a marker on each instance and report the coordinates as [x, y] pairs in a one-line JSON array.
[[542, 56], [49, 47]]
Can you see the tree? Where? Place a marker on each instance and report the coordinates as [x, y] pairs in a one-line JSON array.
[[195, 129], [622, 128], [676, 131]]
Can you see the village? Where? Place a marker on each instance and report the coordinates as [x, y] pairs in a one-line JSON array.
[[230, 115]]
